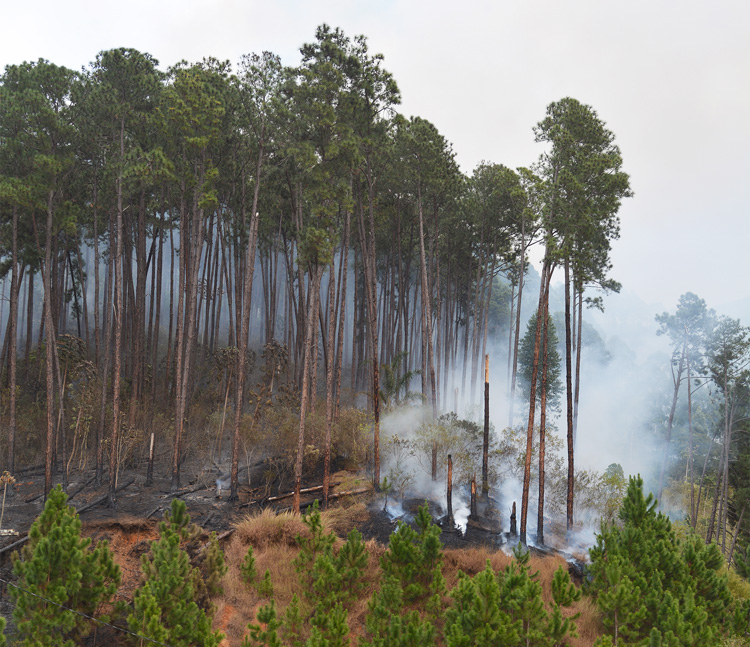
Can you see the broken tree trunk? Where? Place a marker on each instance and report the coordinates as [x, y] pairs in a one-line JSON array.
[[450, 491], [474, 496]]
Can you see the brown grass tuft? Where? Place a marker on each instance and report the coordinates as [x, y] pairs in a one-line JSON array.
[[267, 529]]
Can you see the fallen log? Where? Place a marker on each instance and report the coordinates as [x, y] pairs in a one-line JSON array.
[[303, 491], [80, 489], [338, 495]]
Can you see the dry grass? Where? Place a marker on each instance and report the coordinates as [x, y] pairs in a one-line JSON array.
[[273, 539]]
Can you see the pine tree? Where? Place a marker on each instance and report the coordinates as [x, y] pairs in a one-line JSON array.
[[329, 628], [351, 563], [317, 543], [247, 569], [265, 586], [264, 634], [415, 559], [165, 605], [292, 623], [57, 564], [475, 618], [654, 588]]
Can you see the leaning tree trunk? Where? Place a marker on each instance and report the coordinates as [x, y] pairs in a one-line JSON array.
[[670, 421]]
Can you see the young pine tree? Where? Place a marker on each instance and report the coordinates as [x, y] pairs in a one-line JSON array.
[[653, 587], [165, 607], [58, 565], [266, 632], [475, 617]]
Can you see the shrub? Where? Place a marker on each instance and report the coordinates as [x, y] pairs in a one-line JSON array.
[[57, 564]]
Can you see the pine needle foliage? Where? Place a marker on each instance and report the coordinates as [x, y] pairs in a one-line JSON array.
[[266, 632], [57, 564], [654, 588], [247, 568], [165, 606]]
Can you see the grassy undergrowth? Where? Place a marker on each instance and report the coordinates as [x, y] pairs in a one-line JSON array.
[[275, 541]]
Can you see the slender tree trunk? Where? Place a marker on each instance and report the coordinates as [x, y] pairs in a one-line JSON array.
[[670, 421], [730, 557], [342, 312], [427, 313], [543, 431], [50, 346], [329, 381], [579, 345], [486, 435], [543, 294], [517, 325], [306, 368], [115, 436], [13, 334], [691, 475], [568, 400], [252, 245], [29, 317], [700, 484]]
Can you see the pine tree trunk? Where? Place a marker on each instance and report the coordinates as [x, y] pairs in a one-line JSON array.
[[241, 371], [543, 293], [118, 285], [543, 427], [13, 334], [568, 400], [306, 369], [677, 379]]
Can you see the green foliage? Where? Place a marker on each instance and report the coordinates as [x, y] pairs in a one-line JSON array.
[[329, 628], [58, 565], [564, 592], [351, 562], [393, 382], [165, 606], [291, 625], [412, 575], [318, 543], [506, 608], [388, 624], [554, 368], [264, 634], [652, 587], [475, 617], [414, 557], [460, 438], [211, 567], [265, 586], [247, 569]]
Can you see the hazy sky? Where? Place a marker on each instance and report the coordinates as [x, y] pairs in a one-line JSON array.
[[671, 80]]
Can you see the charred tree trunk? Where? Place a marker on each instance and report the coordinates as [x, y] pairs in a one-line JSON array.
[[486, 436]]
